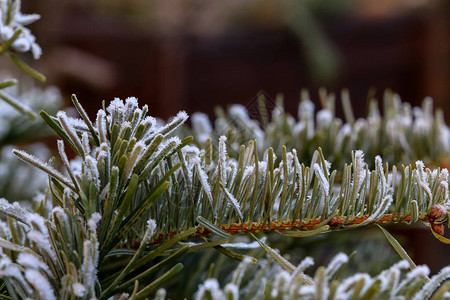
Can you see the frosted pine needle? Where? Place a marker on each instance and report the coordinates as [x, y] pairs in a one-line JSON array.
[[14, 210], [78, 289], [63, 155], [243, 245], [344, 291], [202, 126], [151, 227], [324, 118], [40, 284], [323, 180], [101, 126], [31, 261], [90, 169], [43, 166], [382, 183], [238, 273], [132, 159], [281, 283], [43, 243], [382, 208], [233, 201], [37, 222], [93, 220], [210, 286], [307, 291], [70, 131], [89, 266], [418, 274], [223, 158], [359, 168], [303, 265], [178, 120], [336, 263], [204, 181], [85, 142], [231, 291], [433, 284]]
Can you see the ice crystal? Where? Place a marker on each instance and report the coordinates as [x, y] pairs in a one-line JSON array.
[[151, 227]]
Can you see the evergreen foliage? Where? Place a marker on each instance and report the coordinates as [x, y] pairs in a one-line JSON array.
[[121, 218], [136, 192]]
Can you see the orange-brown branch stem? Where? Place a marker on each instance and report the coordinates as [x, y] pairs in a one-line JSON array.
[[338, 222]]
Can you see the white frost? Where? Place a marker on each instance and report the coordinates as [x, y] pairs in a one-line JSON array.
[[29, 260], [93, 220], [40, 284], [78, 289]]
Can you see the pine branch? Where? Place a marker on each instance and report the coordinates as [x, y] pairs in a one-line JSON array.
[[139, 172], [290, 227]]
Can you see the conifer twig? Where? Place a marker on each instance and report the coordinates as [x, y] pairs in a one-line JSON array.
[[335, 223]]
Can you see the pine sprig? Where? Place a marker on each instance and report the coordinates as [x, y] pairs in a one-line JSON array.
[[112, 189], [139, 172]]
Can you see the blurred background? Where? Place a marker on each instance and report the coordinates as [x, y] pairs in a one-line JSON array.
[[195, 55]]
